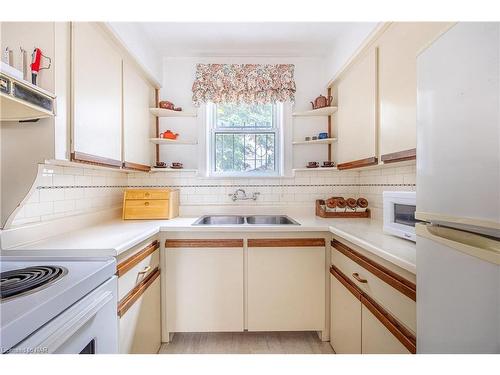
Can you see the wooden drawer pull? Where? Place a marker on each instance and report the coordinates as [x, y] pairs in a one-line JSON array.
[[359, 279], [145, 270], [146, 203], [132, 296]]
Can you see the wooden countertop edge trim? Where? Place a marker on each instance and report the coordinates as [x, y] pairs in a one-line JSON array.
[[286, 242], [358, 163], [171, 243], [126, 265], [404, 336], [82, 157], [132, 296], [398, 282], [395, 157]]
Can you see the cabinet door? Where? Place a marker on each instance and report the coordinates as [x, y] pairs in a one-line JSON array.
[[138, 122], [97, 95], [345, 319], [376, 338], [140, 325], [286, 288], [204, 286], [398, 49], [357, 110]]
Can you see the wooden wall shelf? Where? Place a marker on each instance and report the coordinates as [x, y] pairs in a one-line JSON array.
[[316, 141], [325, 111], [165, 141], [161, 112]]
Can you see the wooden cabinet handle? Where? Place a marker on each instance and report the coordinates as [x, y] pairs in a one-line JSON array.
[[132, 296], [145, 270], [356, 276], [146, 194], [146, 203]]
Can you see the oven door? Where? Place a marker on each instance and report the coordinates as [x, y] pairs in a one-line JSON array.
[[90, 326]]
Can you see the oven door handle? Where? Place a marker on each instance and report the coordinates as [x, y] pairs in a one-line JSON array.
[[54, 341]]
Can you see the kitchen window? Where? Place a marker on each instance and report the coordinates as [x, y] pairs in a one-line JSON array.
[[244, 139]]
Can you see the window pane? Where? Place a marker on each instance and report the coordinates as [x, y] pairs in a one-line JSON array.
[[244, 116], [244, 152]]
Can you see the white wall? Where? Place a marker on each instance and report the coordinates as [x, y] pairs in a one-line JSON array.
[[132, 36], [178, 77], [344, 47]]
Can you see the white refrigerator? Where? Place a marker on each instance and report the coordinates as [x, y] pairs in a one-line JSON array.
[[458, 191]]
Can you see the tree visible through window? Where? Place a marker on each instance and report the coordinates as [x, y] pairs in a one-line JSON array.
[[244, 139]]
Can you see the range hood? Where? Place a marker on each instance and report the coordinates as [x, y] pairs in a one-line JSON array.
[[21, 101]]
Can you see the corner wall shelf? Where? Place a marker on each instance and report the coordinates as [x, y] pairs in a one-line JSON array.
[[316, 141], [161, 112], [168, 169], [325, 111], [319, 169], [165, 141]]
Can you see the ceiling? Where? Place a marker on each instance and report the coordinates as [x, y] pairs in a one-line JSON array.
[[246, 39]]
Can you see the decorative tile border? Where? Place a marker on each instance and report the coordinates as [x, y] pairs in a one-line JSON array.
[[215, 186]]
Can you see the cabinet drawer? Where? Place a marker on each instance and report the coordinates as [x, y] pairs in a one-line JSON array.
[[146, 209], [392, 299], [137, 267], [147, 194]]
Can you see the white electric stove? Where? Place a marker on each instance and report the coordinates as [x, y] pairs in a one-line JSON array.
[[58, 305]]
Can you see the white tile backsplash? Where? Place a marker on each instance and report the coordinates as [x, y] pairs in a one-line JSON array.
[[388, 178], [70, 190]]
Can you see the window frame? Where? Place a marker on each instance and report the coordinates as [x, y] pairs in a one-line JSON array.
[[213, 130]]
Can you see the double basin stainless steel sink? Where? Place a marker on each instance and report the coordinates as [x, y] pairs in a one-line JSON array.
[[244, 220]]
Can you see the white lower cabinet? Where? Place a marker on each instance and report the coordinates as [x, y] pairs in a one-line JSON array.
[[345, 319], [140, 325], [372, 308], [221, 285], [376, 338], [139, 307], [204, 285], [286, 285]]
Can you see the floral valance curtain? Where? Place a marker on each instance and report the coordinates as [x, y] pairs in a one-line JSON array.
[[244, 83]]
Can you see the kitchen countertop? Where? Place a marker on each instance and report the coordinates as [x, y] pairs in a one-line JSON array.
[[112, 237]]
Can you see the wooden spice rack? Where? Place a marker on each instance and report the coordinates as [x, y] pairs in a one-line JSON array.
[[321, 212]]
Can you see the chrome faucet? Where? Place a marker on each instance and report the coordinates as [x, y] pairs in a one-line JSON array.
[[236, 196]]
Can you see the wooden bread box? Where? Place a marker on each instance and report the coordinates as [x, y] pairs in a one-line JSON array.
[[150, 204]]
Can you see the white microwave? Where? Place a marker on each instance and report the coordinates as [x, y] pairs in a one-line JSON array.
[[399, 213]]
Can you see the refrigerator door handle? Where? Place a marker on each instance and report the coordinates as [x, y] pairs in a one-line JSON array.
[[469, 243]]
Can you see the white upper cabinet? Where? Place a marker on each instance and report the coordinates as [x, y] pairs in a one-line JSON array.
[[398, 48], [357, 94], [97, 94], [138, 122]]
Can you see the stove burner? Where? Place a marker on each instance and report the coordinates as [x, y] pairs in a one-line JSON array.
[[22, 281]]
